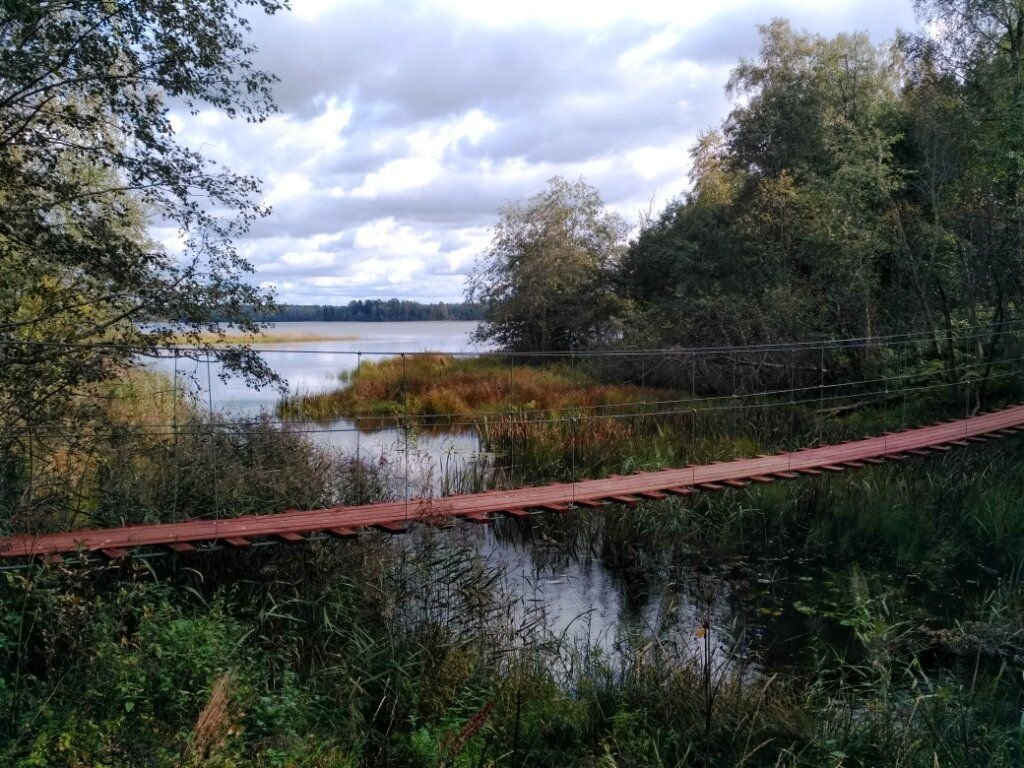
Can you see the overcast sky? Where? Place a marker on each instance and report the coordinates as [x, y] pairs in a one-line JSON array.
[[405, 126]]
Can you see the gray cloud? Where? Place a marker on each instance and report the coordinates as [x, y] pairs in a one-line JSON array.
[[405, 127]]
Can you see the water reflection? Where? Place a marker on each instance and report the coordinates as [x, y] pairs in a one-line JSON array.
[[422, 464], [592, 594]]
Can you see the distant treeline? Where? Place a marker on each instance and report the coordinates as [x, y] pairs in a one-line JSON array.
[[373, 310]]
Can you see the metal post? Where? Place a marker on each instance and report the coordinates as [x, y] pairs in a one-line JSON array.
[[359, 450], [405, 423], [210, 432], [511, 421], [574, 414], [174, 427]]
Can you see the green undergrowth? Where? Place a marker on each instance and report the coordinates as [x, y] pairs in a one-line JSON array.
[[142, 450], [418, 651], [959, 512], [370, 655]]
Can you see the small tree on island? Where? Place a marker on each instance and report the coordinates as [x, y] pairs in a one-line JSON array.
[[546, 281]]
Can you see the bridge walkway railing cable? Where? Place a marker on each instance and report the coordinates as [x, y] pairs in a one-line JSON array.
[[758, 380]]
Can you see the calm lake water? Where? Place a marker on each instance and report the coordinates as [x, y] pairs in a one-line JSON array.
[[582, 597], [315, 366]]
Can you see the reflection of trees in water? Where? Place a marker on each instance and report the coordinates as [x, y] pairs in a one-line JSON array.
[[617, 594]]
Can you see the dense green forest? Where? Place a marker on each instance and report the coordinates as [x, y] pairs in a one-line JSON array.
[[856, 190], [370, 311], [868, 196]]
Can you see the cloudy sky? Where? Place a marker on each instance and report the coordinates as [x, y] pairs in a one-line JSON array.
[[405, 126]]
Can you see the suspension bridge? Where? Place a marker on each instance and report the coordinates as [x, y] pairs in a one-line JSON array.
[[559, 498]]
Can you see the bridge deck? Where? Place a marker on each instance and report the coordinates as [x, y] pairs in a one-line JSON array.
[[394, 516]]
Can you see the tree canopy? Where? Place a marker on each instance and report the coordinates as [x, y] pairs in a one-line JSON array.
[[546, 281], [88, 158], [855, 190]]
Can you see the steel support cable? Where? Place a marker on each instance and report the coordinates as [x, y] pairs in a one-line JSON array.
[[213, 451], [448, 422], [442, 420], [865, 398], [439, 418]]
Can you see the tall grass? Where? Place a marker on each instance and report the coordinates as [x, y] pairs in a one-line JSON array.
[[418, 652], [442, 389], [412, 653], [141, 450]]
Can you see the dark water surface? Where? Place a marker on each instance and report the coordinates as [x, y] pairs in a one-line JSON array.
[[769, 613]]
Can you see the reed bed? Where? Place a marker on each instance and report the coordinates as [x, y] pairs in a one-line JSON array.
[[445, 389], [418, 651]]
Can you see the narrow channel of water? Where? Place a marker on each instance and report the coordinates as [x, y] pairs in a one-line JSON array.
[[313, 362], [733, 611]]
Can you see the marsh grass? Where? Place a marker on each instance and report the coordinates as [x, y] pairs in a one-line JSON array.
[[444, 389], [414, 651], [141, 450]]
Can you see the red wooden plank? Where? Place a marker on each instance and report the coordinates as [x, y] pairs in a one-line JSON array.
[[477, 517], [238, 531], [678, 491], [551, 507], [832, 468], [591, 503], [341, 532], [710, 487], [786, 475], [390, 526], [291, 537], [115, 553], [736, 483], [651, 495], [631, 501], [181, 547], [763, 479], [518, 513], [854, 464]]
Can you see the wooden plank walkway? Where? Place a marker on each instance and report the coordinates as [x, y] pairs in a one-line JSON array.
[[394, 517]]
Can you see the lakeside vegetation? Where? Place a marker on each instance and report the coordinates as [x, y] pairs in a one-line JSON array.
[[466, 390], [866, 194], [371, 311], [365, 653]]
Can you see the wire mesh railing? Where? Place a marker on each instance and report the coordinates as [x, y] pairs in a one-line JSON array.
[[400, 424]]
